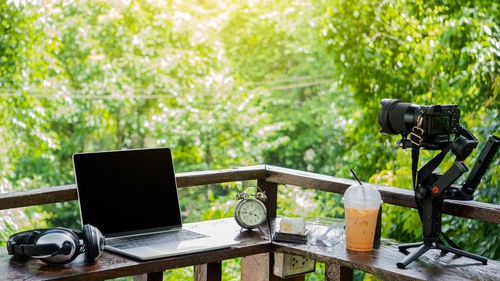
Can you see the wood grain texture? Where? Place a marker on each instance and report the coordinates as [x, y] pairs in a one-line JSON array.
[[255, 267], [381, 262], [219, 176], [336, 272], [390, 195], [271, 191], [38, 196], [68, 192], [152, 276], [274, 175], [111, 265], [208, 272]]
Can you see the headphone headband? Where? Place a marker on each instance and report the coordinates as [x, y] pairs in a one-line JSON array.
[[33, 250]]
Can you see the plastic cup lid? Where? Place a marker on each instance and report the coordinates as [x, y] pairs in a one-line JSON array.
[[362, 196]]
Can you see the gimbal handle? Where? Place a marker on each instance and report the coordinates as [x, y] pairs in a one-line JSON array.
[[482, 163]]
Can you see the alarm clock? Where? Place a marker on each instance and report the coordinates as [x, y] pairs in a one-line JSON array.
[[250, 212]]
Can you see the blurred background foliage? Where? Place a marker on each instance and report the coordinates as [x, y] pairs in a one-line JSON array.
[[235, 83]]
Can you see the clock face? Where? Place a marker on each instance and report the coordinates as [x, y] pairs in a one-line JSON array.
[[250, 213]]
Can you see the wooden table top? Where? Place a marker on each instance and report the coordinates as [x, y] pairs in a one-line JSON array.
[[111, 265], [381, 261]]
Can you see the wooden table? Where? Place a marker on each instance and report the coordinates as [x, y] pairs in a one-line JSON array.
[[111, 265], [381, 261]]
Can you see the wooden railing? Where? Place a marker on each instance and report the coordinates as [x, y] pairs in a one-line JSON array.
[[268, 178]]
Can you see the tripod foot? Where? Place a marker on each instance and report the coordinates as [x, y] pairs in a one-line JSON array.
[[404, 247], [420, 251], [459, 252]]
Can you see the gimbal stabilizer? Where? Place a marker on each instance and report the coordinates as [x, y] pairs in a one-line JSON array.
[[432, 188]]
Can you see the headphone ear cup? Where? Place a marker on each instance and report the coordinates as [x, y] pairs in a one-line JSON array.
[[94, 243], [67, 241]]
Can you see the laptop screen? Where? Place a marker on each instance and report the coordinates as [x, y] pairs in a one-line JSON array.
[[127, 190]]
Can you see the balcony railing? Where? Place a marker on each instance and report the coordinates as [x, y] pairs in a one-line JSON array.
[[269, 178]]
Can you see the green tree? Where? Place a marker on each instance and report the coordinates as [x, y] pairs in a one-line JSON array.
[[426, 53]]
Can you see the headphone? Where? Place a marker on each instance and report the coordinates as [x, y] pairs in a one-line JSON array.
[[57, 245]]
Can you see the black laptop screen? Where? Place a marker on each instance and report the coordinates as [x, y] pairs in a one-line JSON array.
[[128, 190]]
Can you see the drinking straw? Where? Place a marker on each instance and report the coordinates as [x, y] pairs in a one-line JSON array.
[[354, 174], [364, 192]]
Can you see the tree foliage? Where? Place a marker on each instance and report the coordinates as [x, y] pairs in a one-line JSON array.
[[426, 53], [228, 83]]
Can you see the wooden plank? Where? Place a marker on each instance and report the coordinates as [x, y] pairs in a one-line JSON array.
[[220, 176], [152, 276], [381, 262], [68, 192], [38, 196], [260, 268], [140, 277], [111, 265], [155, 276], [337, 272], [271, 190], [255, 267], [390, 195], [208, 272]]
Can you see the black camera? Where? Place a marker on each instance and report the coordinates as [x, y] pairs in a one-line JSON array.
[[429, 126]]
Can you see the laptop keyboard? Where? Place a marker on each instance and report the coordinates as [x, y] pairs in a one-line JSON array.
[[154, 239]]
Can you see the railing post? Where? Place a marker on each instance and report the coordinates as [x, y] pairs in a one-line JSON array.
[[271, 190], [152, 276], [255, 267], [336, 272], [208, 272], [260, 267]]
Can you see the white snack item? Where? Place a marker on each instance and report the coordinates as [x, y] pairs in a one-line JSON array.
[[293, 225]]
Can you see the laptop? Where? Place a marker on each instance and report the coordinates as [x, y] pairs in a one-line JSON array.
[[131, 197]]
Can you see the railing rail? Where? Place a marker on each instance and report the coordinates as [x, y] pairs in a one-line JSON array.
[[390, 195], [68, 192], [268, 179]]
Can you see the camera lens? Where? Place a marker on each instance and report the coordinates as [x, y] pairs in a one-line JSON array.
[[397, 117]]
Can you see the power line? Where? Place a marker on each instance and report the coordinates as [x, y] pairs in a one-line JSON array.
[[291, 79], [152, 90], [119, 94], [96, 97], [303, 85]]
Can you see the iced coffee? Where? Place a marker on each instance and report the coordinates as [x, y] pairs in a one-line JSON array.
[[362, 204]]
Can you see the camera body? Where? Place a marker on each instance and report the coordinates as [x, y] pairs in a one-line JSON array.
[[434, 123], [441, 119], [430, 127]]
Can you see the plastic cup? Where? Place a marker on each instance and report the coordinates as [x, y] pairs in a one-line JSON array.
[[361, 205]]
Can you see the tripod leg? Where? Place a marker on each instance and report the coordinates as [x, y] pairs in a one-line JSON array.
[[402, 248], [462, 253], [420, 251]]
